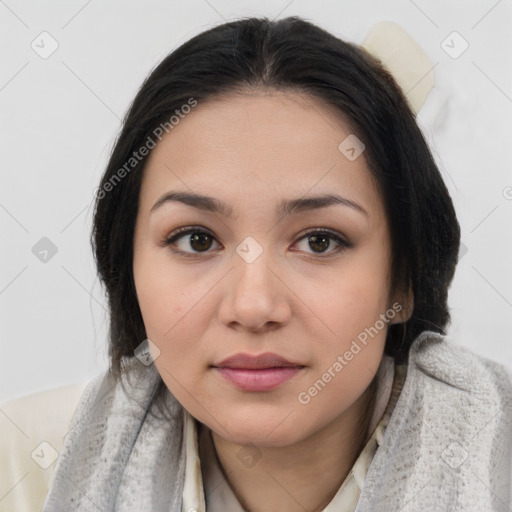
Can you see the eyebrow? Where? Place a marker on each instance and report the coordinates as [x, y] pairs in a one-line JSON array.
[[283, 209]]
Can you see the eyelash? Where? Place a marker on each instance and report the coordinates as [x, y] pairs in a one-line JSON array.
[[182, 232]]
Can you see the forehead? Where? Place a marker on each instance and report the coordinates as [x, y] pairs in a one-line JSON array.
[[259, 148]]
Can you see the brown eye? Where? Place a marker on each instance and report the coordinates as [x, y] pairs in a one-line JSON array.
[[319, 242], [193, 239], [200, 241]]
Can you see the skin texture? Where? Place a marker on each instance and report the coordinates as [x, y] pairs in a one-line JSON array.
[[252, 151]]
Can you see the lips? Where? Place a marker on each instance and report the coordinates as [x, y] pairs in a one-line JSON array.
[[257, 362], [263, 372]]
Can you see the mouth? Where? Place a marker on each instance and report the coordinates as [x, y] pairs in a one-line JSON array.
[[256, 362], [262, 379], [257, 373]]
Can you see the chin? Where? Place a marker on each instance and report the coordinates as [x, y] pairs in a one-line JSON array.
[[269, 432]]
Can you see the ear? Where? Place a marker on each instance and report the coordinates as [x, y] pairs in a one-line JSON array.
[[403, 305]]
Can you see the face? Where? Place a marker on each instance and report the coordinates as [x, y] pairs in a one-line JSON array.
[[309, 282]]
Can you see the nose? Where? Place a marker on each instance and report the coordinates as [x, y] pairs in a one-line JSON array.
[[255, 297]]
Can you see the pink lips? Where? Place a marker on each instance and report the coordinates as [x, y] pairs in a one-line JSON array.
[[257, 373]]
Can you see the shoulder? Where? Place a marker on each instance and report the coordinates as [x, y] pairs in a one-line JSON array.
[[451, 364], [448, 443], [33, 430], [35, 427], [463, 403], [117, 430]]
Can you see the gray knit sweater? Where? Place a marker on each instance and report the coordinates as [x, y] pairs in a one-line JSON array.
[[447, 446]]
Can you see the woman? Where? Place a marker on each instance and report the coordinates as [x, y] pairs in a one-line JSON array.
[[273, 233]]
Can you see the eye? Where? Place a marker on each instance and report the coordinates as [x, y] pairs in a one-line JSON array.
[[200, 241], [197, 239], [320, 241]]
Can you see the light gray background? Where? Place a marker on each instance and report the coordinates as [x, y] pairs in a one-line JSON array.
[[60, 116]]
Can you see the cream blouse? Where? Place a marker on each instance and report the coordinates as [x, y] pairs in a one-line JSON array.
[[207, 490]]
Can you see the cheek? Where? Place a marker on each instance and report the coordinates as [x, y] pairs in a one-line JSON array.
[[350, 306], [175, 306], [171, 311], [355, 338], [349, 353], [353, 297], [164, 294]]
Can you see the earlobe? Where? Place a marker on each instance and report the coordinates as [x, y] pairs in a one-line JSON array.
[[403, 306]]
